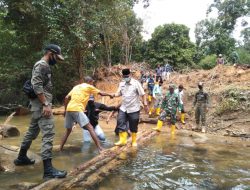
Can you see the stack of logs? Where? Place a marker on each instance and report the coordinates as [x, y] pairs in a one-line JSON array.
[[94, 171]]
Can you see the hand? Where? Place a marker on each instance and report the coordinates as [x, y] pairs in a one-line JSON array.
[[100, 149], [47, 111], [111, 96]]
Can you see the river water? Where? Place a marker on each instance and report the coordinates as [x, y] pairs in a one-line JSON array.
[[165, 162]]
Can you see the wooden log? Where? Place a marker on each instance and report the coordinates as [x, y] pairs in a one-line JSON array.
[[96, 169], [9, 131]]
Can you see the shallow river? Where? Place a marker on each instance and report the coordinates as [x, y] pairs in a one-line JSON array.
[[164, 163]]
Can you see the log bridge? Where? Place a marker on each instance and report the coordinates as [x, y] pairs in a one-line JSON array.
[[90, 173]]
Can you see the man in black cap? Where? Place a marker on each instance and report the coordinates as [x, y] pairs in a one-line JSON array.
[[130, 90], [42, 117]]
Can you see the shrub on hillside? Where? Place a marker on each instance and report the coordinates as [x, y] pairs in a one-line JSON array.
[[208, 62], [244, 56]]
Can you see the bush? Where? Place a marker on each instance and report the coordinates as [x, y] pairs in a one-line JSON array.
[[208, 62], [233, 99], [226, 105], [244, 56]]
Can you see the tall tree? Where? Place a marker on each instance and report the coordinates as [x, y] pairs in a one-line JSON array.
[[171, 42]]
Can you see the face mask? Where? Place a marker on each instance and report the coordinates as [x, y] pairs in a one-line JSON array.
[[127, 79], [52, 60]]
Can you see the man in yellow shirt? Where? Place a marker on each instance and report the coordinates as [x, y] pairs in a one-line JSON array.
[[75, 104]]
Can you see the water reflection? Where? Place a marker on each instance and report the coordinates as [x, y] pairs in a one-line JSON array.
[[166, 162]]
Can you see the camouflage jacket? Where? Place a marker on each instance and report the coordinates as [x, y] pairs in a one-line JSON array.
[[170, 102], [41, 82]]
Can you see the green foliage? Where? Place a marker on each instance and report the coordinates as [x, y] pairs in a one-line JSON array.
[[229, 11], [90, 33], [230, 101], [233, 99], [246, 38], [212, 38], [208, 62], [171, 43], [244, 56], [227, 105]]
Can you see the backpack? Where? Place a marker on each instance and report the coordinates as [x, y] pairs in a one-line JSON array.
[[28, 89]]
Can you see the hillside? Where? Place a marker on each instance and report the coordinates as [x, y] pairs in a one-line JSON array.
[[228, 88]]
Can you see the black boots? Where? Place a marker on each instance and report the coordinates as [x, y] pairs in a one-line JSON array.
[[22, 159], [51, 172]]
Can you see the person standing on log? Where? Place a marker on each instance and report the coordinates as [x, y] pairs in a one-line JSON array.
[[130, 90], [42, 117], [75, 105], [169, 108]]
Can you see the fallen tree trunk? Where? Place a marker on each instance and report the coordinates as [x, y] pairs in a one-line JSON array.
[[93, 171], [9, 131]]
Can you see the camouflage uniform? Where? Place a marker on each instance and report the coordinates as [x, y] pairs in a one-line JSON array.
[[169, 106], [41, 81], [201, 102]]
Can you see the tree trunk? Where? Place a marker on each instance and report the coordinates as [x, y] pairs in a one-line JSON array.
[[9, 131], [95, 170]]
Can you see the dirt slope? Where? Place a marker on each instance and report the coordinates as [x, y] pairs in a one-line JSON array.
[[228, 87]]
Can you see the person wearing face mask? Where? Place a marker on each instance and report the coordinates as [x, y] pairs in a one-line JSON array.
[[42, 117], [130, 90]]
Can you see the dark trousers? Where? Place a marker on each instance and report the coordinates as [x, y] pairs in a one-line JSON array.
[[131, 118]]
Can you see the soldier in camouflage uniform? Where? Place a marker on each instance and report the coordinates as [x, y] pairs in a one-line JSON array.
[[201, 103], [169, 108], [42, 117]]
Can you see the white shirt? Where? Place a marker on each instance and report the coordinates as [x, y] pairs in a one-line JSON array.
[[181, 94], [130, 93]]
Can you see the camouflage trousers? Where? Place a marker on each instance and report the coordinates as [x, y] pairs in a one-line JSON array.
[[168, 113], [200, 114], [46, 126]]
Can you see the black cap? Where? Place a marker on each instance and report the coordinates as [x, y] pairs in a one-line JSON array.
[[181, 86], [125, 71], [55, 49]]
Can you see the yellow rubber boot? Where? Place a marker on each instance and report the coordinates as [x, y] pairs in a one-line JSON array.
[[158, 126], [158, 110], [151, 111], [122, 139], [183, 118], [134, 144], [172, 129], [125, 136], [149, 98]]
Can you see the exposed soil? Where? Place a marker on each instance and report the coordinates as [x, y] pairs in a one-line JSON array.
[[232, 121]]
